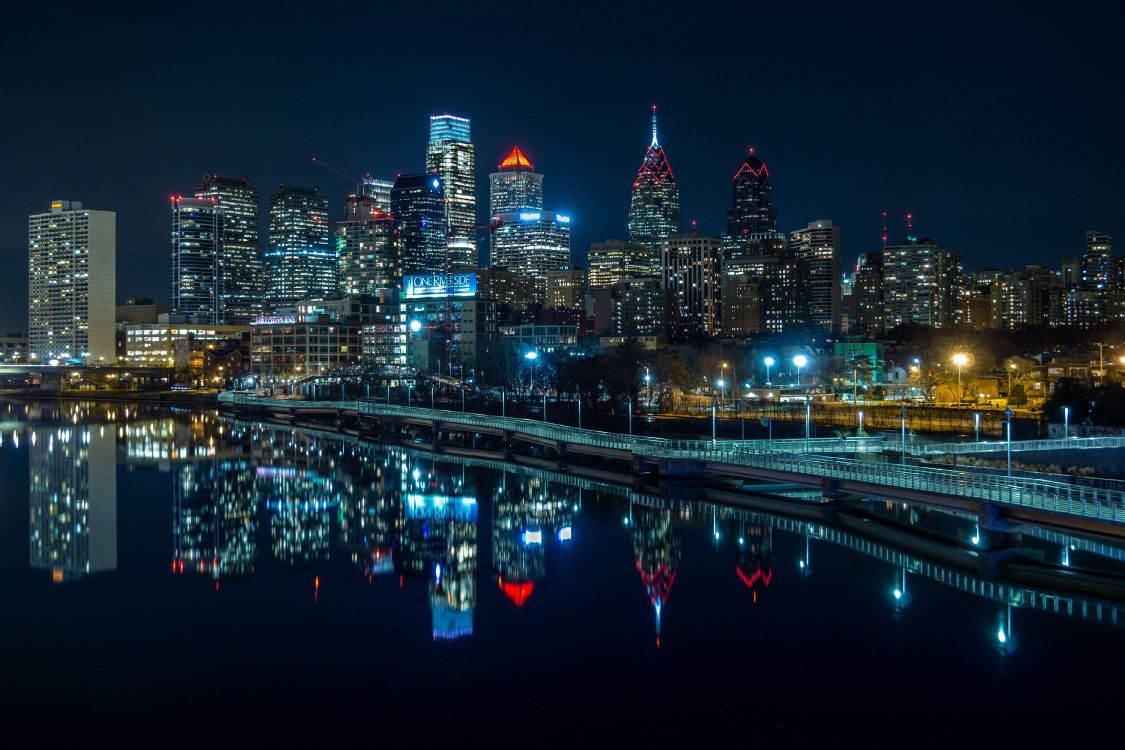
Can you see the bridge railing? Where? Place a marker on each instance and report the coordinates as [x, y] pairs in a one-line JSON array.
[[997, 446], [1059, 497]]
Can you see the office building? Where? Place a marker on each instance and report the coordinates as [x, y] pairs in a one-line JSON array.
[[154, 344], [632, 307], [540, 337], [818, 245], [379, 191], [566, 289], [418, 208], [692, 276], [781, 281], [451, 157], [531, 244], [515, 186], [301, 260], [241, 270], [72, 287], [654, 207], [752, 211], [613, 260], [867, 315], [920, 284], [368, 248], [13, 348], [289, 347], [197, 276]]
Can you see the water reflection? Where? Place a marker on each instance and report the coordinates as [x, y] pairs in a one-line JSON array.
[[73, 502], [247, 497]]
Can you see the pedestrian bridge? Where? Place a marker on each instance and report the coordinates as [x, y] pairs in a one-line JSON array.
[[838, 468]]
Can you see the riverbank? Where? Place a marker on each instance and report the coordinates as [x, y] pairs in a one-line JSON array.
[[187, 398]]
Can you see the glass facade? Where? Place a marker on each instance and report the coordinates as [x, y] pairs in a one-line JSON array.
[[692, 275], [654, 210], [368, 248], [451, 156], [418, 207], [302, 261], [613, 261], [197, 279], [242, 279], [531, 243], [751, 210]]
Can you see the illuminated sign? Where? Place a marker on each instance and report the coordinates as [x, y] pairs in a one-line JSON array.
[[530, 216], [562, 219], [274, 320], [420, 286]]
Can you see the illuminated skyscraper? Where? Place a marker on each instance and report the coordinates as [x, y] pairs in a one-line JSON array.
[[72, 288], [526, 238], [920, 283], [419, 213], [451, 156], [197, 276], [301, 260], [368, 248], [692, 275], [613, 261], [378, 191], [654, 210], [818, 245], [751, 210], [242, 280], [516, 186]]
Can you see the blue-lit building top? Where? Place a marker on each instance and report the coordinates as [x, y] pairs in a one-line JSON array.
[[531, 243], [449, 128]]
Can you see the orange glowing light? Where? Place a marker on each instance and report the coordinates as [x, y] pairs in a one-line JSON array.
[[57, 576], [515, 160]]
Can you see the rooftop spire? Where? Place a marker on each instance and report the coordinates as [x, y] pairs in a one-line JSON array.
[[655, 143]]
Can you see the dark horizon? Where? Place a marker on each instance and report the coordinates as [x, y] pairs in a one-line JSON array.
[[997, 131]]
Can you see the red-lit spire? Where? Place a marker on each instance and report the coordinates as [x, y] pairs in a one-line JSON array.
[[516, 160], [517, 591]]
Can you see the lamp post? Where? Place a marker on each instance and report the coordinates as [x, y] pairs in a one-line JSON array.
[[630, 402], [713, 434], [960, 359], [976, 424], [808, 421], [580, 412], [859, 432], [769, 362], [800, 361], [1009, 414], [648, 384], [1066, 421], [1011, 367], [903, 412]]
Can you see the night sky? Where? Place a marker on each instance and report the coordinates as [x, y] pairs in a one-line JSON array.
[[999, 129]]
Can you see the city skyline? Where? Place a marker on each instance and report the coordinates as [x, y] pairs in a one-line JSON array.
[[846, 170]]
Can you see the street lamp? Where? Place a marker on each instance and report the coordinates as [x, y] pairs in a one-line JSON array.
[[800, 361], [960, 359], [976, 424], [903, 412], [1009, 414], [808, 419], [769, 362], [1066, 421], [1011, 367]]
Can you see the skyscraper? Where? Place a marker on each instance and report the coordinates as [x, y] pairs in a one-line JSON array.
[[654, 209], [378, 191], [525, 238], [818, 245], [419, 212], [516, 185], [242, 280], [72, 287], [450, 154], [301, 261], [197, 276], [867, 296], [692, 275], [368, 247], [920, 283], [751, 210], [613, 260]]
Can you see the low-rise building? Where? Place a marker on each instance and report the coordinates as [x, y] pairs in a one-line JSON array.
[[288, 347], [13, 348], [154, 344], [541, 338]]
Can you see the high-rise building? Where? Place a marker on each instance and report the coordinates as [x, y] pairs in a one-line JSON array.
[[782, 287], [1031, 297], [515, 186], [613, 260], [450, 155], [818, 245], [751, 210], [867, 296], [378, 191], [526, 238], [742, 302], [566, 289], [920, 284], [654, 209], [197, 276], [241, 270], [531, 243], [692, 275], [631, 307], [301, 260], [72, 287], [368, 248], [419, 212]]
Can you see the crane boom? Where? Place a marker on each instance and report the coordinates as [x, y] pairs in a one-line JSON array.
[[340, 172]]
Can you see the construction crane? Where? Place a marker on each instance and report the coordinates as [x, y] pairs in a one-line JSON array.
[[358, 183]]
